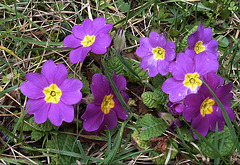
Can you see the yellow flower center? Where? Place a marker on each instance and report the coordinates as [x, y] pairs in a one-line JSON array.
[[107, 104], [159, 53], [206, 107], [192, 81], [199, 47], [88, 40], [52, 94]]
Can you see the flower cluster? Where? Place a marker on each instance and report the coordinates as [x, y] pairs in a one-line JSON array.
[[52, 95], [187, 94]]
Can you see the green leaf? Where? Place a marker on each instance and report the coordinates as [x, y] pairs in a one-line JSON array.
[[123, 6], [149, 99], [223, 42], [137, 139], [115, 64], [37, 135], [160, 96], [224, 137], [151, 127], [63, 142], [86, 89]]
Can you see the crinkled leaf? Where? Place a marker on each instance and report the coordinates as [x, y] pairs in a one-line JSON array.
[[151, 127], [137, 139], [160, 96], [149, 99], [37, 135], [224, 137], [63, 142]]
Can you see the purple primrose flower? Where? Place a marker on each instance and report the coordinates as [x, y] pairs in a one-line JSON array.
[[104, 112], [186, 72], [202, 109], [156, 53], [91, 36], [201, 42], [51, 94]]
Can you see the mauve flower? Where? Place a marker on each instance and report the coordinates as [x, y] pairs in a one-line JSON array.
[[156, 53], [91, 36], [104, 112], [186, 72], [51, 94], [202, 109], [201, 42], [175, 108]]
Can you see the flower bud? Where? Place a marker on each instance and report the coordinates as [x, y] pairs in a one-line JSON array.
[[176, 108], [119, 41]]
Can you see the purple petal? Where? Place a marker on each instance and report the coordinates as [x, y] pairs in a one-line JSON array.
[[99, 25], [71, 91], [93, 117], [145, 42], [120, 81], [157, 40], [163, 67], [71, 41], [213, 119], [48, 71], [78, 54], [37, 79], [212, 47], [118, 107], [101, 43], [79, 32], [39, 108], [206, 35], [200, 124], [192, 106], [193, 39], [175, 89], [60, 112], [87, 25], [151, 64], [143, 52], [100, 87], [110, 121], [31, 91], [204, 64], [183, 65], [60, 74], [170, 54]]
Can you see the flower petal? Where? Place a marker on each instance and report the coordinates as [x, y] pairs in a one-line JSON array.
[[48, 71], [193, 39], [71, 91], [78, 54], [100, 87], [183, 65], [39, 108], [101, 43], [31, 91], [143, 52], [192, 109], [118, 107], [204, 64], [93, 117], [79, 32], [175, 89], [60, 74], [201, 125], [60, 112], [163, 67], [110, 121], [71, 41], [37, 79], [157, 40], [99, 25], [120, 81]]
